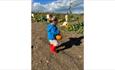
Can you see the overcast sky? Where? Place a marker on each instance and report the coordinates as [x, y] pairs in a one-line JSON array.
[[58, 6]]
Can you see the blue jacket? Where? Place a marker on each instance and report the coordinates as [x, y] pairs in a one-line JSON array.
[[52, 31]]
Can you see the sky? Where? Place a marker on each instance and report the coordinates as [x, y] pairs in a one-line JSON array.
[[57, 6], [44, 1]]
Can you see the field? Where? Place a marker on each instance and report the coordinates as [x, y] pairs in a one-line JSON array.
[[70, 53]]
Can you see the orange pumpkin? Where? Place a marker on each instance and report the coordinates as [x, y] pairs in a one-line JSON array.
[[58, 37]]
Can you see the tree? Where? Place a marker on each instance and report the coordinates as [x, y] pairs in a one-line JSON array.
[[70, 6]]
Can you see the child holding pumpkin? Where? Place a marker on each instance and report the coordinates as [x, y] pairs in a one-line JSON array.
[[53, 33]]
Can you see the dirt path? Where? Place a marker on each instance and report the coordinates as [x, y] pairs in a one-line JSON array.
[[70, 55]]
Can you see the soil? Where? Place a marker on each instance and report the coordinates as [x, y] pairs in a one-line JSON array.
[[69, 56]]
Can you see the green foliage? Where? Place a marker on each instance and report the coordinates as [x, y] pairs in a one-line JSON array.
[[39, 17], [75, 21], [76, 27]]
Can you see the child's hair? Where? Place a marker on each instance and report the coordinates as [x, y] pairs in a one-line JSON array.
[[50, 15], [54, 19]]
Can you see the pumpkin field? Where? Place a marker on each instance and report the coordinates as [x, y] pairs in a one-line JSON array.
[[69, 53]]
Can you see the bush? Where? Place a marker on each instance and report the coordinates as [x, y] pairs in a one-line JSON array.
[[75, 27]]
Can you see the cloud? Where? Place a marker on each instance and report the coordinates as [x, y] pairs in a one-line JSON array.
[[59, 6], [38, 7]]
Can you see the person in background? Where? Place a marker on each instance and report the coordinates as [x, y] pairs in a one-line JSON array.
[[66, 18], [49, 18]]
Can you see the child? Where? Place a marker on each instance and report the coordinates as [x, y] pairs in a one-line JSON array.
[[52, 31]]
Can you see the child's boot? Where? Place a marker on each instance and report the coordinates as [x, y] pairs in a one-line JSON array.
[[52, 49]]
